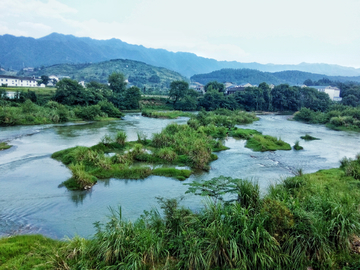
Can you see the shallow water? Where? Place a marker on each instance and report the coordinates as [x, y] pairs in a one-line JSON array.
[[32, 202]]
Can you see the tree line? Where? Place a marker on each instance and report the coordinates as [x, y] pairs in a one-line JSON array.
[[282, 97]]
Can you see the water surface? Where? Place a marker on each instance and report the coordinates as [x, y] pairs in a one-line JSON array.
[[32, 202]]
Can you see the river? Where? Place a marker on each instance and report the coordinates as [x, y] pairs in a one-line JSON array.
[[32, 202]]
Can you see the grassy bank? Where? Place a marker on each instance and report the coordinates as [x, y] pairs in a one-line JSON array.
[[338, 117], [29, 252], [309, 220], [28, 113]]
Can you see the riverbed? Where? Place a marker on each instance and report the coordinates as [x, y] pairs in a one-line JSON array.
[[31, 200]]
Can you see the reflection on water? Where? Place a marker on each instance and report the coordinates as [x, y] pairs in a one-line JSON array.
[[31, 200]]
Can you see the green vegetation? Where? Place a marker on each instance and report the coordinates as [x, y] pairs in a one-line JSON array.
[[308, 137], [164, 114], [29, 252], [154, 80], [175, 145], [266, 143], [29, 113], [297, 146], [337, 117], [4, 146], [310, 220], [253, 76]]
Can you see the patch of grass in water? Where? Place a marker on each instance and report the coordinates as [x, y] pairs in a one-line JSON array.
[[264, 143], [4, 146], [172, 172]]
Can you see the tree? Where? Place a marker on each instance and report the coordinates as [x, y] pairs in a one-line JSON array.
[[117, 82], [70, 92], [220, 87], [178, 90], [132, 98], [44, 79]]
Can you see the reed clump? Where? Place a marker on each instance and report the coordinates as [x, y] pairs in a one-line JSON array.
[[297, 146]]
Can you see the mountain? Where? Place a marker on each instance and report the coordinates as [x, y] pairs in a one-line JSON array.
[[19, 52], [243, 76], [138, 73]]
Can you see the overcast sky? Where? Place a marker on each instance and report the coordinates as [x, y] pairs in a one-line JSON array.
[[264, 31]]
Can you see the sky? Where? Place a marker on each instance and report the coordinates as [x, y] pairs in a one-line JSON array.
[[263, 31]]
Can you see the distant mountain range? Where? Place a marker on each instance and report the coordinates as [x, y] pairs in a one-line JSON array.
[[138, 73], [19, 52], [243, 76]]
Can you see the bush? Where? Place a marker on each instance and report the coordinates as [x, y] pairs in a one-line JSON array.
[[88, 112]]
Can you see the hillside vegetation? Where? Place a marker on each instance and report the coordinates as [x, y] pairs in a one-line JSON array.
[[137, 73], [243, 76]]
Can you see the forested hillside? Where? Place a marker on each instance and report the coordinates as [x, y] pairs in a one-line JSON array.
[[243, 76], [137, 73]]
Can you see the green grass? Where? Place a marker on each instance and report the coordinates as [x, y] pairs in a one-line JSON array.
[[24, 252], [172, 172], [244, 134], [38, 90], [4, 146], [165, 114], [264, 143]]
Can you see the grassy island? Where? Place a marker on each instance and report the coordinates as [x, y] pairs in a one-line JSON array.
[[305, 221], [4, 146], [178, 145]]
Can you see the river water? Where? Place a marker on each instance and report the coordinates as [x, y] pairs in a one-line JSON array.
[[32, 202]]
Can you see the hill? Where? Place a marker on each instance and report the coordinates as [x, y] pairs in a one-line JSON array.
[[19, 52], [138, 73], [242, 76]]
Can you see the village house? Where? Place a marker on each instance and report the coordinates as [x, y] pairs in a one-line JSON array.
[[17, 81], [332, 91]]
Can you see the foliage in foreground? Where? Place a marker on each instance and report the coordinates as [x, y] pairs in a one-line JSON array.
[[305, 221], [28, 252]]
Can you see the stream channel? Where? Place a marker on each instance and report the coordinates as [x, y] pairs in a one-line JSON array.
[[32, 202]]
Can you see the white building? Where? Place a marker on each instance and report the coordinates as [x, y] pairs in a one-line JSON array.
[[333, 92], [17, 81]]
